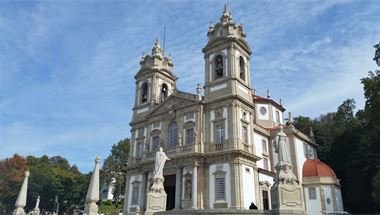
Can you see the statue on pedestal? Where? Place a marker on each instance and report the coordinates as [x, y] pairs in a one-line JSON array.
[[286, 192], [157, 196], [284, 166]]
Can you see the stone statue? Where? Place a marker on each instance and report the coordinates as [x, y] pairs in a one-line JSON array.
[[179, 139], [195, 135], [281, 147], [157, 196], [188, 188], [161, 158]]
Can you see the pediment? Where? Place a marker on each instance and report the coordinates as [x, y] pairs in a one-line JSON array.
[[174, 102]]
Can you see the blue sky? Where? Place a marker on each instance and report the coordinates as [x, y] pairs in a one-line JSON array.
[[67, 67]]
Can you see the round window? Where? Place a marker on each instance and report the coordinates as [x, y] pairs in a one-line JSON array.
[[263, 110]]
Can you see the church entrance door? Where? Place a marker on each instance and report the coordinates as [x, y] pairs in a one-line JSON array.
[[169, 185]]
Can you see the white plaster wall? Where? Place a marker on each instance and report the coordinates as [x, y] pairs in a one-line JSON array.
[[313, 206], [263, 177], [257, 138], [339, 201], [212, 169], [300, 157], [248, 186], [328, 194], [133, 179], [274, 115], [266, 115]]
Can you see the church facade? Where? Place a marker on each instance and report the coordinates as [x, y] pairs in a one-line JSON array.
[[220, 144]]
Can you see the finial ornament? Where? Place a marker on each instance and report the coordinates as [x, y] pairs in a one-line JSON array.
[[199, 90], [290, 119], [312, 133], [21, 198], [268, 94]]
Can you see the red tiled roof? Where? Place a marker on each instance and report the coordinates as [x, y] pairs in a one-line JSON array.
[[315, 167]]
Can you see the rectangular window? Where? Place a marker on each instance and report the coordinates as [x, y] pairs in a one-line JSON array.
[[189, 136], [155, 143], [265, 200], [135, 195], [312, 193], [245, 134], [278, 116], [138, 150], [264, 146], [220, 188], [219, 134], [266, 165]]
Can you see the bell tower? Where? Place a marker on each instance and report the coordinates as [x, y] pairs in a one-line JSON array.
[[155, 81], [227, 61]]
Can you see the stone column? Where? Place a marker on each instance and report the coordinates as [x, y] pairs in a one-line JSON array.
[[125, 209], [178, 188], [142, 194], [194, 193], [91, 208], [236, 186], [21, 198]]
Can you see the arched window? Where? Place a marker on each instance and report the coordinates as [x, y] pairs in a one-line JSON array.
[[218, 66], [164, 92], [242, 68], [144, 92], [172, 135]]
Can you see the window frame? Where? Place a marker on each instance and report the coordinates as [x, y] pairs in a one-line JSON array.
[[215, 74], [242, 70], [172, 135], [220, 194], [135, 196], [312, 195], [144, 91]]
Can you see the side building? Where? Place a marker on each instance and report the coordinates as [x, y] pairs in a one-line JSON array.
[[220, 144]]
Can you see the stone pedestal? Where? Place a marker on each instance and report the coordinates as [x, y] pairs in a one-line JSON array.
[[156, 197], [286, 192]]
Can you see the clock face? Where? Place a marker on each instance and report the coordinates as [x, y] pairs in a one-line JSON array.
[[263, 110]]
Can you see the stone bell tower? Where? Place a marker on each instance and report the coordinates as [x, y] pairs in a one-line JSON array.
[[227, 61], [155, 81], [229, 108]]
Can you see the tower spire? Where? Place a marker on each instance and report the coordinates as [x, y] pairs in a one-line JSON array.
[[226, 17], [157, 50]]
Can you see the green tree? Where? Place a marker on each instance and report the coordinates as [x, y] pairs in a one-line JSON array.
[[11, 176], [115, 168]]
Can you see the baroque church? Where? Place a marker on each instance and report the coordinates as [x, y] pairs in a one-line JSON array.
[[220, 144]]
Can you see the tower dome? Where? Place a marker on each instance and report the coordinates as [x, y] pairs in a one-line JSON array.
[[316, 168]]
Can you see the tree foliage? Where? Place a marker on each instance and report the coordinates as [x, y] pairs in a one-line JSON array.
[[114, 168], [350, 144], [49, 177]]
